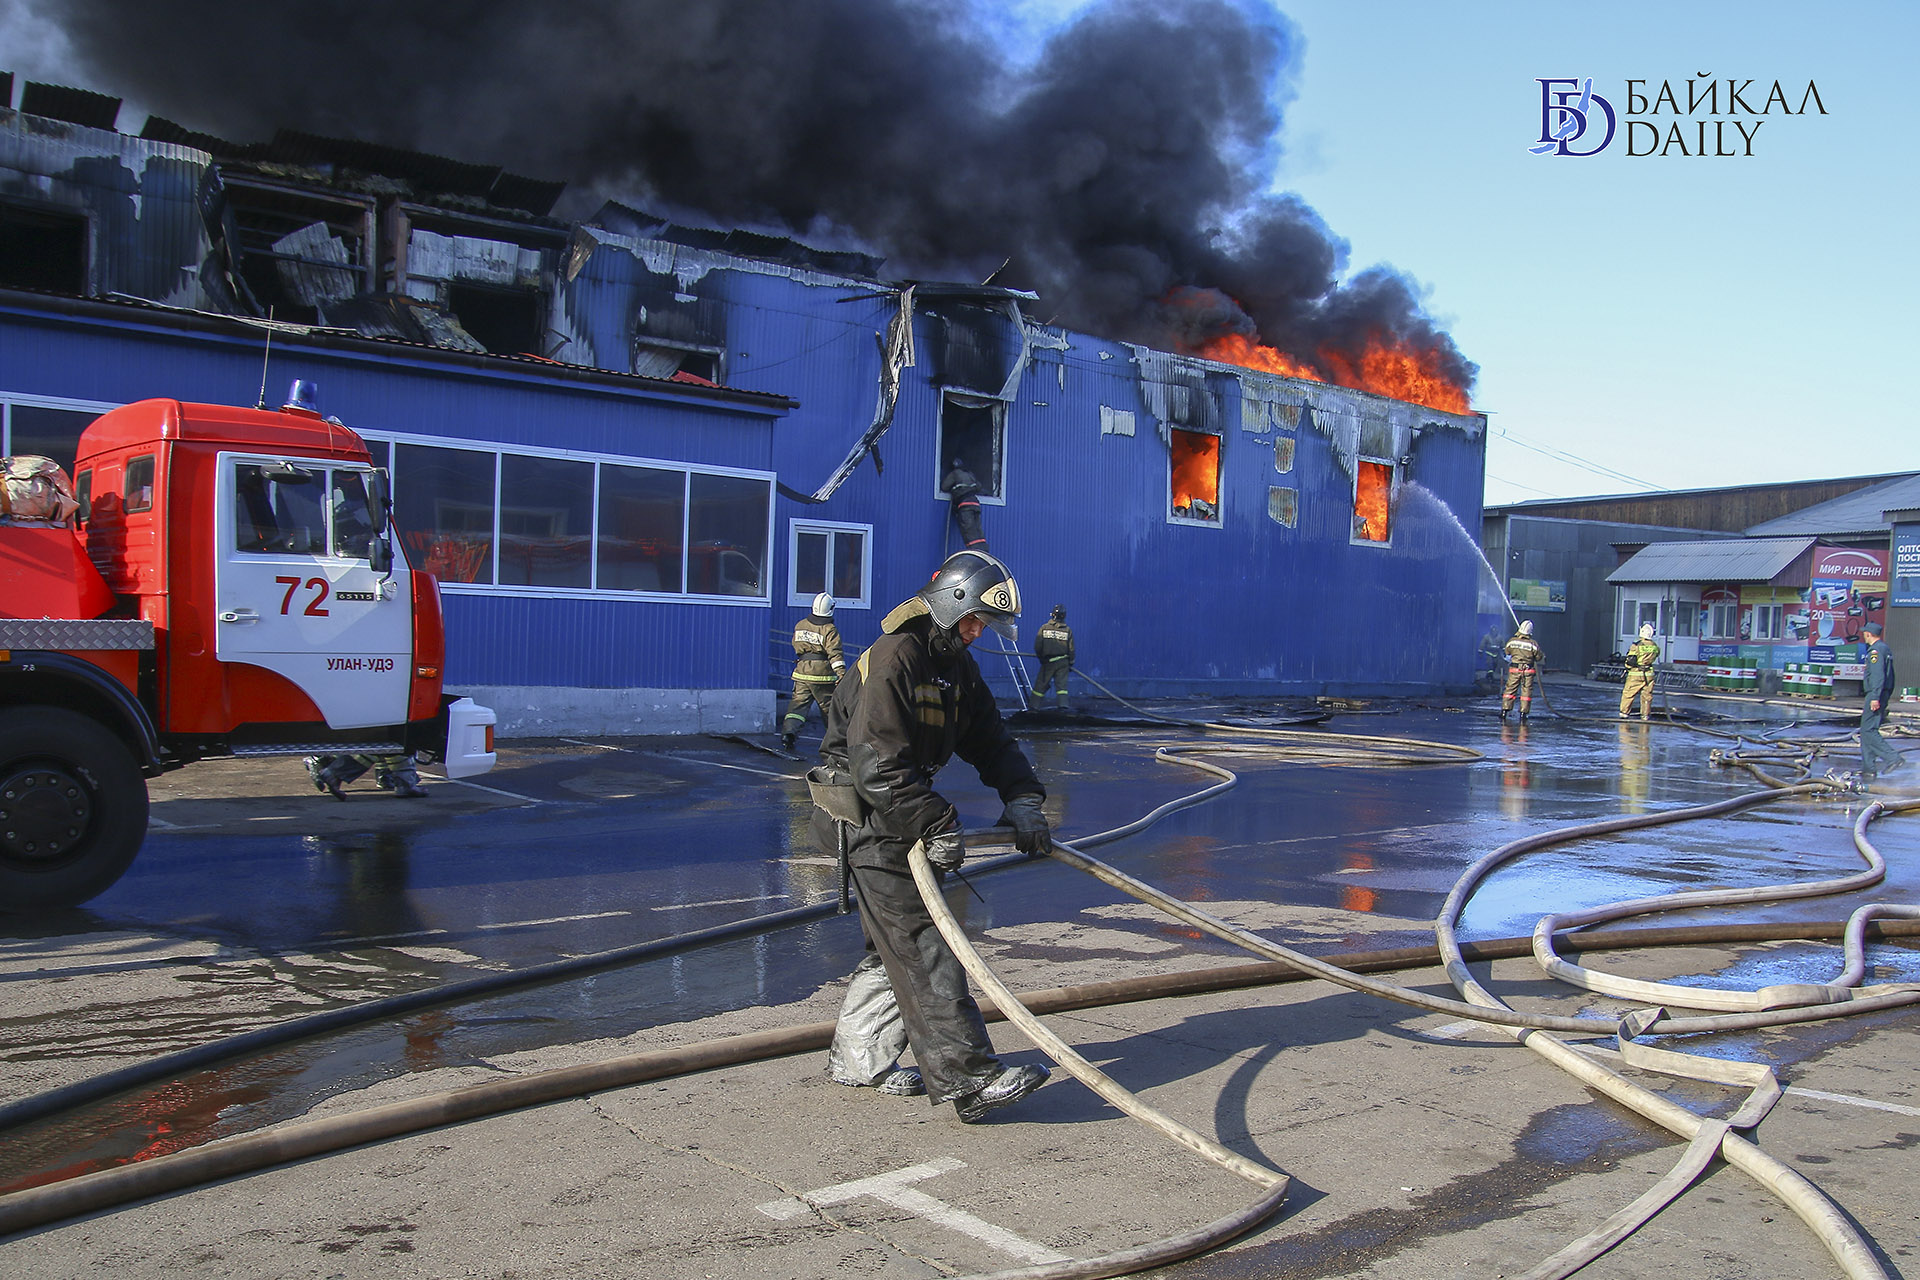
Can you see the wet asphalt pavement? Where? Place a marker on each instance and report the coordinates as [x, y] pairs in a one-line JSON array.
[[256, 899]]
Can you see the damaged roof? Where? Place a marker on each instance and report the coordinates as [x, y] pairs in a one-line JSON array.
[[425, 172]]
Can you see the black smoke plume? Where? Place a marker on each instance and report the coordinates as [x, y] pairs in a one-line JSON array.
[[1121, 170]]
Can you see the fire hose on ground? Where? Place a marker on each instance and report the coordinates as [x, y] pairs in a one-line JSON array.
[[301, 1140]]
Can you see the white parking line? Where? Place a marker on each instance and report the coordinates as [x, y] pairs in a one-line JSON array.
[[462, 782], [786, 777], [892, 1189], [720, 902], [1852, 1101]]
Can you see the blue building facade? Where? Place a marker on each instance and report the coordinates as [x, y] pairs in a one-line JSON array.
[[627, 525]]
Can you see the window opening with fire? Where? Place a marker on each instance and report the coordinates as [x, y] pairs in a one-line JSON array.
[[1373, 502], [973, 432], [1193, 477]]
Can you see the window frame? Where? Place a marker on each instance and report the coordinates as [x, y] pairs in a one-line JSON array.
[[377, 438], [8, 400], [1219, 480], [999, 410], [1353, 502], [797, 526]]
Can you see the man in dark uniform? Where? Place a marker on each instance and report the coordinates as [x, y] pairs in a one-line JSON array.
[[1523, 663], [817, 666], [1876, 757], [1053, 645], [963, 491], [912, 702]]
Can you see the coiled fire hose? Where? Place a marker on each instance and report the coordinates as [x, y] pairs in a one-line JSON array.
[[223, 1159]]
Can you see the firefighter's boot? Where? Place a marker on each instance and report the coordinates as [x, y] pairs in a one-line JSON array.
[[786, 742], [403, 780], [327, 775]]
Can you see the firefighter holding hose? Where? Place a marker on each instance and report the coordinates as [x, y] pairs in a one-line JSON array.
[[912, 702], [1641, 655], [1524, 656]]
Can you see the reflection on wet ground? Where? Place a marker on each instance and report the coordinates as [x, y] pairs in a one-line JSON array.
[[650, 840]]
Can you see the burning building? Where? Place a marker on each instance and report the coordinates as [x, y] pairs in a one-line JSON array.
[[634, 446]]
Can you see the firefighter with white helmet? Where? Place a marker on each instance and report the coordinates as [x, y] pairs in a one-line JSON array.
[[817, 667], [1524, 656], [913, 701], [1641, 656]]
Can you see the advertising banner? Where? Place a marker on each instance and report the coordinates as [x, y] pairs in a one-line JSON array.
[[1537, 595], [1905, 587], [1849, 589]]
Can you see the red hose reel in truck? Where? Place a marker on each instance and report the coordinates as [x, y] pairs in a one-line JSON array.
[[228, 585]]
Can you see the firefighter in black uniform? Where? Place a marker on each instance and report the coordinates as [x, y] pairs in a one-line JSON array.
[[1053, 645], [912, 702], [963, 491], [817, 666]]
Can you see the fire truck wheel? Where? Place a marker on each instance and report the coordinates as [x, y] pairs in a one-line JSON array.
[[73, 808]]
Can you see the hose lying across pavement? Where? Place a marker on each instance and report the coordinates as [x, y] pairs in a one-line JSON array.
[[41, 1205]]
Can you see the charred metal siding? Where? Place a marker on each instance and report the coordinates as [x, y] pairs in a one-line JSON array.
[[495, 637], [141, 200]]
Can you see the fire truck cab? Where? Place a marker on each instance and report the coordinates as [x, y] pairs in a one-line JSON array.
[[228, 587]]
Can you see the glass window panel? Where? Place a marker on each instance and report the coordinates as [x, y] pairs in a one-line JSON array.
[[443, 507], [83, 493], [352, 516], [849, 557], [137, 493], [809, 564], [641, 519], [546, 522], [277, 509], [727, 535], [48, 433]]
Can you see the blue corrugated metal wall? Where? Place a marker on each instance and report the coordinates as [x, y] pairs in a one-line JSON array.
[[1157, 606], [1250, 605]]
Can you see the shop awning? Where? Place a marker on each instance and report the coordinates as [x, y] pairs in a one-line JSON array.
[[1734, 560]]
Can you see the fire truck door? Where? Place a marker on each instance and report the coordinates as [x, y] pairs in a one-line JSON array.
[[296, 594]]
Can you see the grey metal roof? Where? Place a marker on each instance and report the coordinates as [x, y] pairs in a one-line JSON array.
[[1856, 512], [1745, 560]]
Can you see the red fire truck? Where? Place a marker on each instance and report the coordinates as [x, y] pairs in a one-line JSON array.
[[228, 587]]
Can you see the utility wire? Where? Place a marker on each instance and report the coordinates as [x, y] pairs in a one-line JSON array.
[[1573, 459]]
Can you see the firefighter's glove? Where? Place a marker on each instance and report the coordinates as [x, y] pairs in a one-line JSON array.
[[1031, 835], [946, 850]]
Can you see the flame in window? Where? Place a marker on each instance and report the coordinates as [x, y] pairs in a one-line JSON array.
[[1372, 501], [1195, 474]]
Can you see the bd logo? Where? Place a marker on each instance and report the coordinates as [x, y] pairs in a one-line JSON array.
[[1567, 107]]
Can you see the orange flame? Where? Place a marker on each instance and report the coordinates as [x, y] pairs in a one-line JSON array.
[[1237, 348], [1385, 368], [1196, 473], [1400, 372]]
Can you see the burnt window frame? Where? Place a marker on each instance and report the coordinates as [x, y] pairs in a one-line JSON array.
[[943, 458], [1353, 502], [404, 217], [251, 202], [47, 211], [1219, 520]]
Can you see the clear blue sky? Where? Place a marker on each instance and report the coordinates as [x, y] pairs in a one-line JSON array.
[[1686, 322]]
